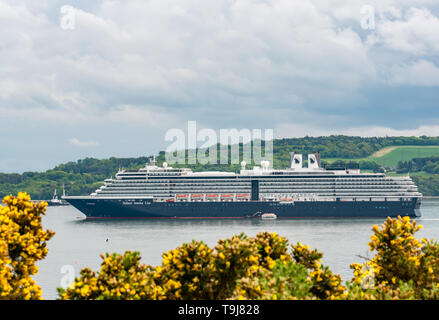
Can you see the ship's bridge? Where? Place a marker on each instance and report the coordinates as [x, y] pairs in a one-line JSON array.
[[153, 170]]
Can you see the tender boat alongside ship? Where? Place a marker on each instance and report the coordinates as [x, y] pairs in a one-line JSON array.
[[296, 192], [268, 216]]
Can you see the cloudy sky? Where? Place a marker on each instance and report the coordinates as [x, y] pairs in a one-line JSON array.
[[109, 78]]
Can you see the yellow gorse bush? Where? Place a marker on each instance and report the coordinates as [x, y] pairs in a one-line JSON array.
[[236, 268], [22, 244], [191, 271], [402, 268], [261, 267], [121, 277], [186, 272], [240, 267]]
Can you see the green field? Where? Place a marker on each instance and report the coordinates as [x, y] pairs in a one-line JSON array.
[[390, 156], [405, 153]]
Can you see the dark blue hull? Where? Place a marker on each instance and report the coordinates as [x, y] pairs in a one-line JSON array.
[[146, 208]]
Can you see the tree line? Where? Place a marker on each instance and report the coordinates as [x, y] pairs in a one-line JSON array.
[[427, 164], [417, 167]]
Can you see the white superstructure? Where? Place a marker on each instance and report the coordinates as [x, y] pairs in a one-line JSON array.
[[164, 183]]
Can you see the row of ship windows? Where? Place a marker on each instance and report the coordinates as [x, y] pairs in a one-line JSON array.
[[281, 187], [235, 176], [322, 193], [248, 179], [149, 186], [263, 176], [326, 185], [269, 183], [277, 206], [223, 181], [177, 188]]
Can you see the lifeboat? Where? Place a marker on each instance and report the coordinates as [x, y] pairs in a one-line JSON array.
[[226, 195], [212, 196], [196, 196], [242, 195], [170, 200], [268, 216], [181, 195]]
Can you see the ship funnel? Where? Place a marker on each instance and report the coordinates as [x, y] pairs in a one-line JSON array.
[[314, 160], [295, 160]]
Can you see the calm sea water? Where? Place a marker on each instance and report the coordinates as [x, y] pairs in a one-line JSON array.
[[79, 242]]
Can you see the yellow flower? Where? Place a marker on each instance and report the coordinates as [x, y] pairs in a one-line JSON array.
[[84, 291], [271, 264]]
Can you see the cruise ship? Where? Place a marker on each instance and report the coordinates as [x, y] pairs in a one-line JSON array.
[[296, 192]]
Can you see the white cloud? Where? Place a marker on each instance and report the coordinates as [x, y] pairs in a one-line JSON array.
[[299, 130], [152, 116], [371, 131], [203, 55], [78, 143], [419, 73], [416, 34]]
